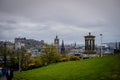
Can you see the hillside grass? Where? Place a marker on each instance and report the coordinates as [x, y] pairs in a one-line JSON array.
[[105, 68]]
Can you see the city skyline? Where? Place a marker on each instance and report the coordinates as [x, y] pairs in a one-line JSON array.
[[71, 20]]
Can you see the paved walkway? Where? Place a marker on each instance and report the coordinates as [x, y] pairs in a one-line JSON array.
[[3, 78]]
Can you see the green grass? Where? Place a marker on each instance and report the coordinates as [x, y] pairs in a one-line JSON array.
[[105, 68]]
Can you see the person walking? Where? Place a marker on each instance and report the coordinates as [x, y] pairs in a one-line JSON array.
[[9, 74], [1, 74]]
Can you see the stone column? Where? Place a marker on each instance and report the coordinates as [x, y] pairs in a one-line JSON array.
[[90, 44], [93, 44], [85, 44]]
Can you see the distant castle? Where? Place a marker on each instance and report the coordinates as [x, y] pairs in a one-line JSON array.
[[28, 43]]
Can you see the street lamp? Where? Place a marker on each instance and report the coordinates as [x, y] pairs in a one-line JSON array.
[[101, 44], [19, 54], [5, 56], [19, 60]]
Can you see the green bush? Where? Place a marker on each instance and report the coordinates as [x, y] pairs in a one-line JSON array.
[[64, 59], [38, 61], [35, 62], [74, 58], [50, 58], [31, 66], [56, 57], [50, 55]]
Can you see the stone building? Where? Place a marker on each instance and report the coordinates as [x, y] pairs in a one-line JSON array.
[[7, 44]]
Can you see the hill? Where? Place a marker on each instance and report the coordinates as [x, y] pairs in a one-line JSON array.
[[105, 68]]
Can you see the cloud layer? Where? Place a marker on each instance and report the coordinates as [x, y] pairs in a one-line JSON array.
[[71, 20]]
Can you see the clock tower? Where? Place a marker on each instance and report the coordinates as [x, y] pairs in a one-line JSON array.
[[56, 42]]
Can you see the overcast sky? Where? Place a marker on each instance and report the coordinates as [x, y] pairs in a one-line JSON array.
[[71, 20]]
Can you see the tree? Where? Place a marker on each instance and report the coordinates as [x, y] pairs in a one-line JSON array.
[[8, 56], [49, 54], [23, 58]]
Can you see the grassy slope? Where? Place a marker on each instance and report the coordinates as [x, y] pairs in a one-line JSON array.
[[105, 68]]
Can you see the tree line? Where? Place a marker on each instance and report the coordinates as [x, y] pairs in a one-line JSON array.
[[22, 59]]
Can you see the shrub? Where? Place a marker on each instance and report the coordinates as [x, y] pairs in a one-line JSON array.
[[35, 62], [74, 58], [49, 55], [56, 58], [50, 58], [64, 59], [38, 61], [31, 66]]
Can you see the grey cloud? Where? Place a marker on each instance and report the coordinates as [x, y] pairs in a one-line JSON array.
[[46, 18], [11, 22]]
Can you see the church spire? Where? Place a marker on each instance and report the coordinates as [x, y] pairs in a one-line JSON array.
[[62, 48], [75, 44], [56, 37], [116, 46], [119, 46], [62, 43]]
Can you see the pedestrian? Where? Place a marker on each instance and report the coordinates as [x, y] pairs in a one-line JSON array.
[[1, 74], [9, 74]]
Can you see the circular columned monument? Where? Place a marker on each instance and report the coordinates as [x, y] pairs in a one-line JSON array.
[[89, 42]]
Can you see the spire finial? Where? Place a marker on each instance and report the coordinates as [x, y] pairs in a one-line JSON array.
[[89, 33], [56, 36], [62, 47]]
